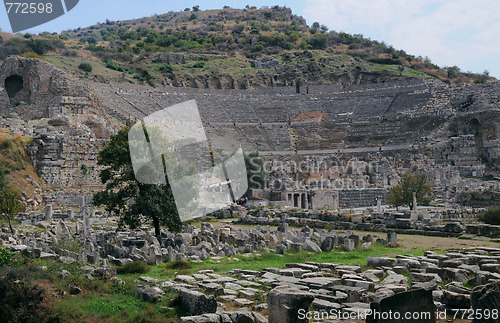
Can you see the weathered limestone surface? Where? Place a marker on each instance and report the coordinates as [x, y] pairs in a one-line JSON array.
[[486, 298], [415, 301], [285, 303]]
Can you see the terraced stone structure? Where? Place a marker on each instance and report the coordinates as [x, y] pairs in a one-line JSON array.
[[382, 130], [372, 133]]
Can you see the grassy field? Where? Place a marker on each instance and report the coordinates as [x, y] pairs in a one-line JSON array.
[[100, 72], [259, 261]]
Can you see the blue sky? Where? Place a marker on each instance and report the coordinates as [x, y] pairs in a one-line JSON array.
[[458, 32]]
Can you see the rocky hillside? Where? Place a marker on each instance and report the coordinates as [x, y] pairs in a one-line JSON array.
[[227, 48]]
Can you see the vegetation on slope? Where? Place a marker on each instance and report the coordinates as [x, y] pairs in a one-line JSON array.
[[17, 166], [219, 48]]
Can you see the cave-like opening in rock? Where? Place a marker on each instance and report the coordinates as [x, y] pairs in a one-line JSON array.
[[13, 84]]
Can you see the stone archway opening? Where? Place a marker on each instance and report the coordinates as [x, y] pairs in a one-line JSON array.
[[13, 84]]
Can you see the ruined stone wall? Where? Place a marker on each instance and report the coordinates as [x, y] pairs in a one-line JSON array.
[[280, 121], [64, 117]]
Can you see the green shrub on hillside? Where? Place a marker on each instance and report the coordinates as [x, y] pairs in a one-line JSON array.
[[199, 64], [166, 68], [32, 55], [86, 67]]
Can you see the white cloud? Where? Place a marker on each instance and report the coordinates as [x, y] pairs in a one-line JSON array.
[[458, 32]]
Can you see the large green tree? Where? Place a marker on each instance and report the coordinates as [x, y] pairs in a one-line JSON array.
[[402, 193], [10, 205], [124, 196]]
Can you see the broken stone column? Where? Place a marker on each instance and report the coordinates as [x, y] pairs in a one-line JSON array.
[[335, 203], [379, 205], [86, 221], [48, 212], [349, 244], [285, 303], [414, 201], [283, 226], [70, 215], [392, 238], [82, 201], [155, 256], [329, 242]]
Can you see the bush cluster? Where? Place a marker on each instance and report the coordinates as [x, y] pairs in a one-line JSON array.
[[19, 299], [492, 216], [86, 67], [6, 257]]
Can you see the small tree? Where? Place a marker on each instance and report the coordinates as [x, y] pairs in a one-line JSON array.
[[453, 71], [402, 193], [319, 41], [10, 204], [132, 201]]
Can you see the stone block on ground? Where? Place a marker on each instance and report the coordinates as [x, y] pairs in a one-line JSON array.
[[406, 302], [149, 294], [486, 297], [285, 302], [456, 300], [196, 303]]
